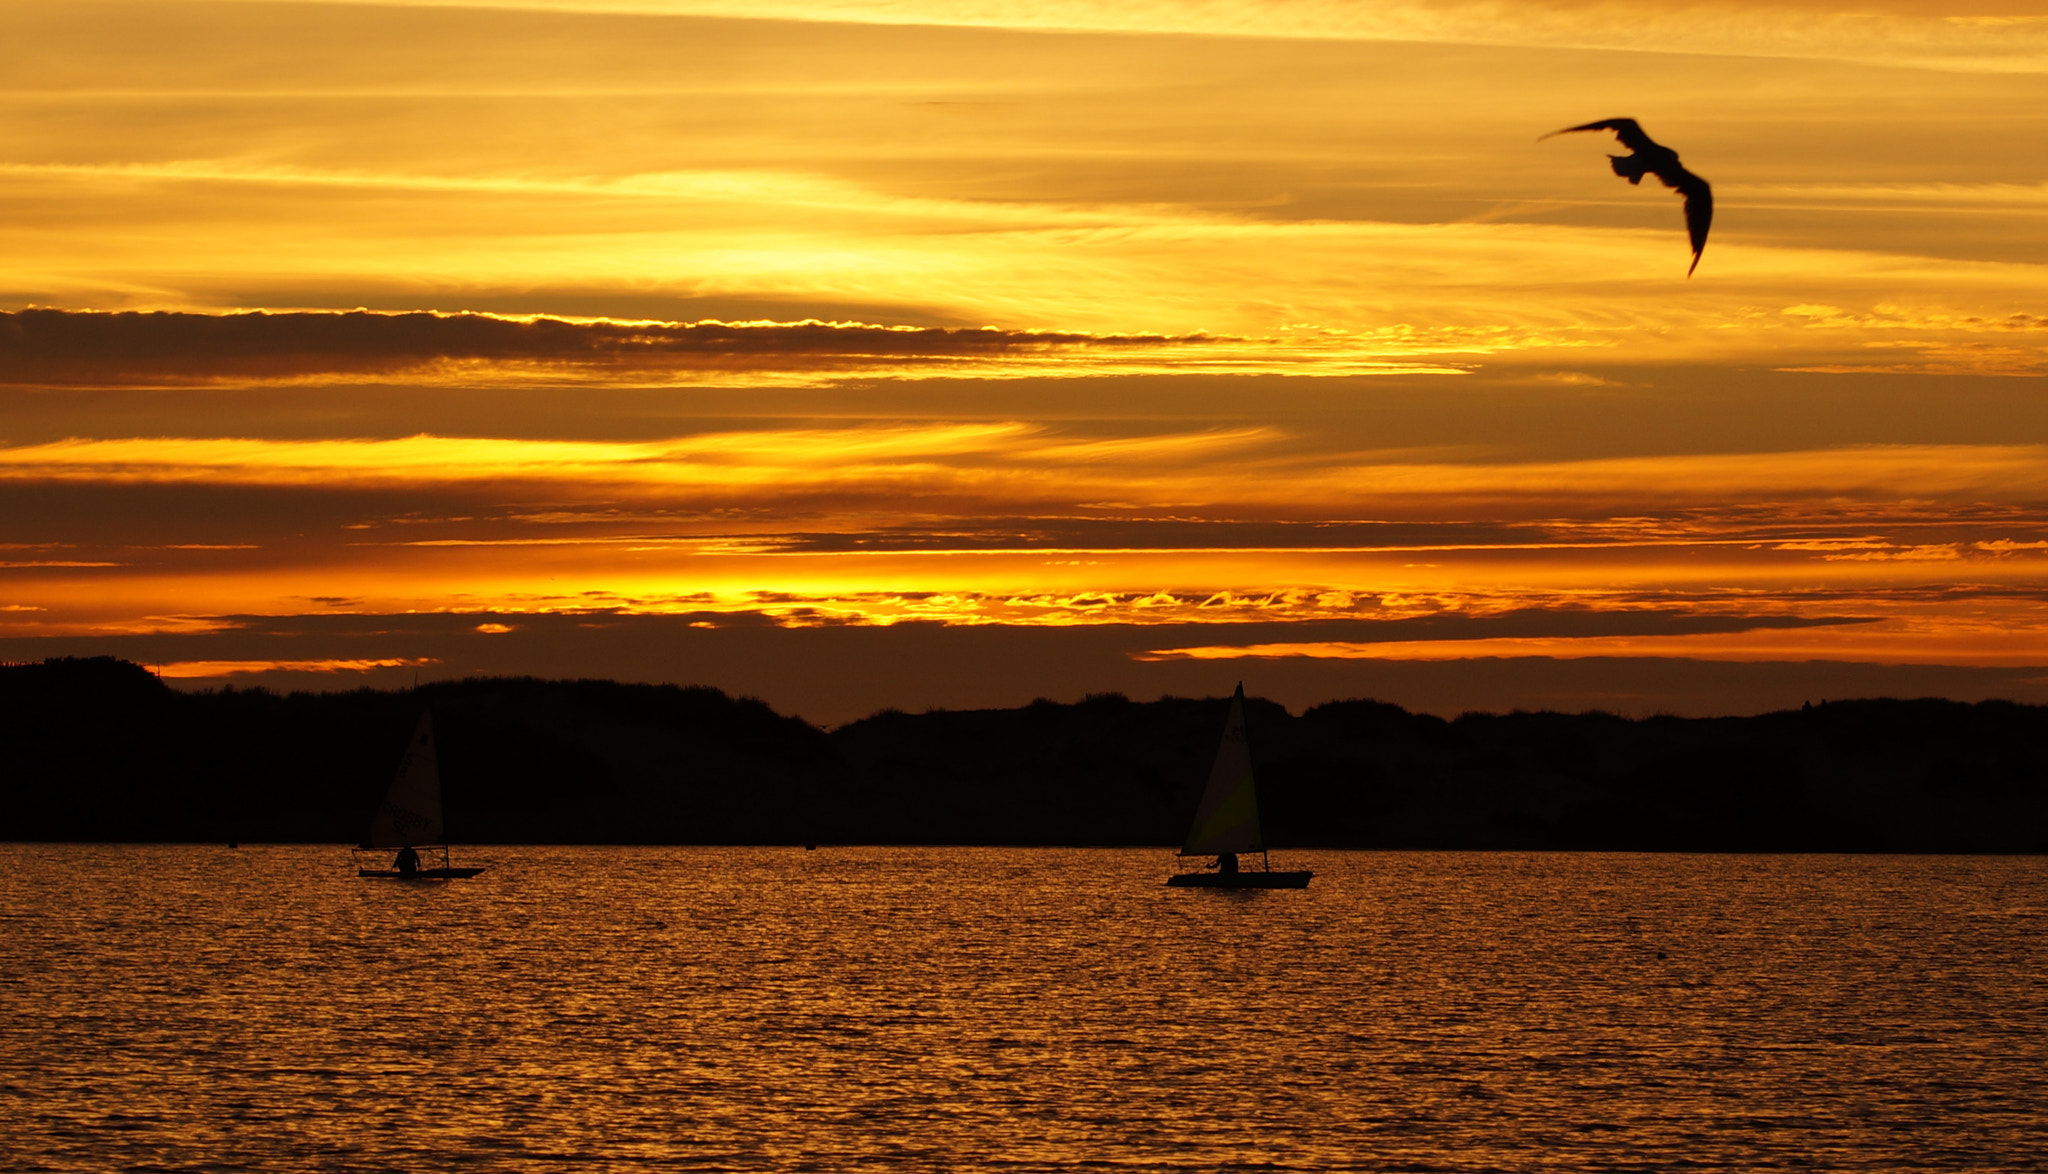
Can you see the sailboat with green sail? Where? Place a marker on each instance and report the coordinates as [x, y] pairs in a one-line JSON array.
[[1226, 823]]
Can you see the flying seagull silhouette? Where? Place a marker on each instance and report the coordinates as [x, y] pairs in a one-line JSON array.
[[1651, 158]]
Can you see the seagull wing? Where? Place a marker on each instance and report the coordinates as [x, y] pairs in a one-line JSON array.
[[1699, 208], [1625, 129]]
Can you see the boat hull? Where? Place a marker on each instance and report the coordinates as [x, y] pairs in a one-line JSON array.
[[418, 875], [1240, 880]]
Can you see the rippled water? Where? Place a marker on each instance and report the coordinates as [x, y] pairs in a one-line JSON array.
[[999, 1009]]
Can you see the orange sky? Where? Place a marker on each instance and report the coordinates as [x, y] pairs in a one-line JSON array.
[[1078, 345]]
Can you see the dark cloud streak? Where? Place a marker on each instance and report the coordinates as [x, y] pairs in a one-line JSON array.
[[48, 347]]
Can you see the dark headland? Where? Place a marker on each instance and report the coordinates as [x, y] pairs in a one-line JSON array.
[[102, 750]]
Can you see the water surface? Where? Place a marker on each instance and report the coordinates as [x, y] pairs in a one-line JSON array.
[[200, 1008]]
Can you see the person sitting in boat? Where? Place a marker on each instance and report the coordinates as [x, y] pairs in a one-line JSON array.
[[1227, 863], [408, 862]]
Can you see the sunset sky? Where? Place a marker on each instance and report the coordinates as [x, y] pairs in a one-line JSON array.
[[864, 353]]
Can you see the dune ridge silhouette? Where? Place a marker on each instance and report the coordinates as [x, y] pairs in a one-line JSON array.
[[100, 750]]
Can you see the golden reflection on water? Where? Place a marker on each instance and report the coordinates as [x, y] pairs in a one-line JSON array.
[[980, 1009]]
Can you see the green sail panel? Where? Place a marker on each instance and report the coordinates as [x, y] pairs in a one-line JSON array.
[[411, 815], [1228, 818]]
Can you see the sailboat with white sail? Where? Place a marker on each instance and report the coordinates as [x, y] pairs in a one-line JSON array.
[[1226, 823], [410, 818]]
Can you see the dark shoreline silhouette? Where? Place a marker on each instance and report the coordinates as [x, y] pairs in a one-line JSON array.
[[101, 750]]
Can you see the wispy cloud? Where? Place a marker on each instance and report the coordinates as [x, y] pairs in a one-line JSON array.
[[16, 564], [1873, 643], [1929, 36], [203, 669], [1038, 464]]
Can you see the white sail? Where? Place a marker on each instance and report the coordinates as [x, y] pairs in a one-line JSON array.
[[411, 815], [1228, 818]]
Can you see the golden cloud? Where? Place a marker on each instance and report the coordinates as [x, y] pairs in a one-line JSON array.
[[1031, 462], [1877, 643], [1900, 32], [199, 669]]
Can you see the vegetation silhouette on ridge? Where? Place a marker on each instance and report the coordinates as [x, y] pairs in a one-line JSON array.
[[100, 749]]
